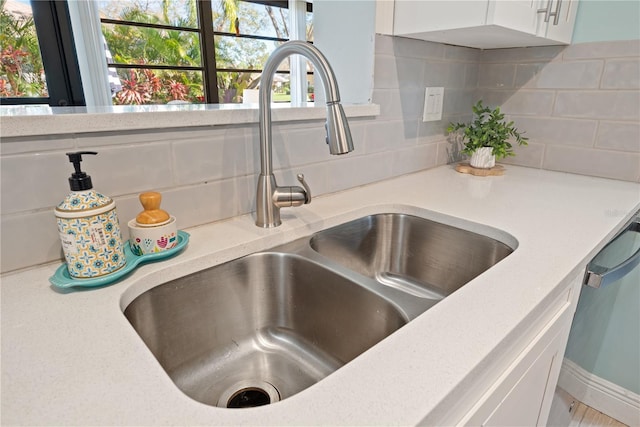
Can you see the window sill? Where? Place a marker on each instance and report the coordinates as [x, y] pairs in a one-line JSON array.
[[20, 121]]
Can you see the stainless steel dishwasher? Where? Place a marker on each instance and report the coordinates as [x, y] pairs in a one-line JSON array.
[[605, 268], [602, 361]]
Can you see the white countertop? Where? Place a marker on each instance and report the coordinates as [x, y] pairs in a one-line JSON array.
[[73, 359]]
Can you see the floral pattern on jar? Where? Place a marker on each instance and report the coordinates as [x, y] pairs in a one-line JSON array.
[[92, 244]]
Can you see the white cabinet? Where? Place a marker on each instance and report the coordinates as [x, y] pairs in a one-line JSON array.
[[559, 28], [484, 24], [529, 401], [522, 394]]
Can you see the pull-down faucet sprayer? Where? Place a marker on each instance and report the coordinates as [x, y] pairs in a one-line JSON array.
[[270, 198]]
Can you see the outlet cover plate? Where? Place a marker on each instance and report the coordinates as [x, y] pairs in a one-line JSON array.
[[433, 101]]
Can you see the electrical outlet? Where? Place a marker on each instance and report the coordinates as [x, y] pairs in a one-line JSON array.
[[433, 101]]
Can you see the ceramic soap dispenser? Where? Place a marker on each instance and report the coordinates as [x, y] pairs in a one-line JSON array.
[[88, 227]]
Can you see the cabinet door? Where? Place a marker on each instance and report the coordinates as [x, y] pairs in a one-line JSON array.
[[523, 405], [484, 24], [413, 17], [523, 392], [519, 15], [562, 31]]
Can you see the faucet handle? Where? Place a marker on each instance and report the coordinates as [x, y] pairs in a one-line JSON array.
[[307, 190]]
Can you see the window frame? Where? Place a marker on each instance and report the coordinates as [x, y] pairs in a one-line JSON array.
[[208, 67], [59, 57]]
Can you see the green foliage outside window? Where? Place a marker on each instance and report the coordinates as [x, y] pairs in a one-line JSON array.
[[139, 45], [144, 46], [22, 73], [21, 70]]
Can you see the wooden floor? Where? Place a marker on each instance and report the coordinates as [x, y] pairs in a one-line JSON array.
[[566, 411], [585, 416]]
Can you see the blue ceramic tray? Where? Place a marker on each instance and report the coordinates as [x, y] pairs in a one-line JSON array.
[[61, 278]]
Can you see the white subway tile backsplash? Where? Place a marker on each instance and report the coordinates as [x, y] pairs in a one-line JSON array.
[[621, 74], [199, 204], [613, 49], [389, 102], [398, 72], [603, 163], [619, 136], [497, 76], [557, 131], [457, 74], [471, 75], [611, 105], [524, 102], [121, 170], [432, 131], [570, 75], [412, 130], [399, 103], [111, 138], [349, 172], [23, 145], [458, 101], [459, 53], [492, 98], [437, 74], [575, 103], [527, 74], [446, 153], [409, 71], [412, 48], [383, 45], [29, 239], [223, 154], [302, 147], [530, 155], [522, 54], [35, 181], [385, 75], [387, 136], [411, 103], [414, 159]]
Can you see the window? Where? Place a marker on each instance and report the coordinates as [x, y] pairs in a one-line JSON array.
[[241, 50], [156, 51], [38, 63], [199, 50]]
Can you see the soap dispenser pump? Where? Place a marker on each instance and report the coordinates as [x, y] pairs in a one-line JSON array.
[[88, 226], [79, 181]]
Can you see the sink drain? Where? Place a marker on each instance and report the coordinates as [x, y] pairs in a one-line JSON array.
[[249, 394]]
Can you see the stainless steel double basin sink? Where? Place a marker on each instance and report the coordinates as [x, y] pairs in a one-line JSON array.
[[264, 327]]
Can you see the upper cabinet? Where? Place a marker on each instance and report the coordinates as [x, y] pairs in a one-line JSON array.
[[484, 24]]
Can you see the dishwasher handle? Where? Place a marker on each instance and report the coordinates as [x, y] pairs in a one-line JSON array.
[[598, 276]]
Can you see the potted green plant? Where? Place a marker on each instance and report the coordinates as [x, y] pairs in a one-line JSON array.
[[487, 137]]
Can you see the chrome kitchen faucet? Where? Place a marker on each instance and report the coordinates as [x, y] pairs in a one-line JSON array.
[[270, 198]]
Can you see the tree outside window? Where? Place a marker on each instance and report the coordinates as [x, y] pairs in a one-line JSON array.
[[156, 48], [21, 69]]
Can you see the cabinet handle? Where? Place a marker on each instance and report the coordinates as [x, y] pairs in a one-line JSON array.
[[597, 275], [546, 10], [556, 14]]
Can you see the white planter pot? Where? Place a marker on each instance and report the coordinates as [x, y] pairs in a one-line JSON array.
[[483, 158]]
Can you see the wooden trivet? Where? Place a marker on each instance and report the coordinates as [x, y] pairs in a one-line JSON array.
[[467, 168]]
